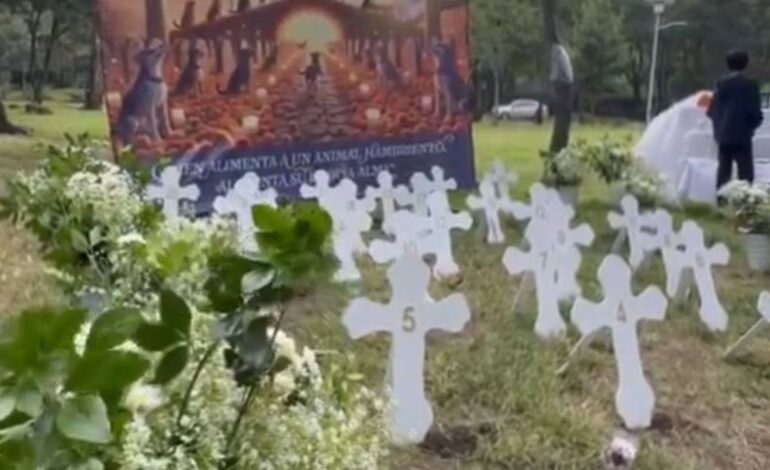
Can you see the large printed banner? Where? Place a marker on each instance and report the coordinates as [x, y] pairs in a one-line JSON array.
[[283, 88]]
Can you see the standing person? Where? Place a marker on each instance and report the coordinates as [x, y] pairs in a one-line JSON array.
[[736, 112]]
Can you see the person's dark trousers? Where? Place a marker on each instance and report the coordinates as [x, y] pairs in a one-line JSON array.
[[743, 156]]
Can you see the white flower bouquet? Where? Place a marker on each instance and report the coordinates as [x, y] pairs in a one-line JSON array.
[[750, 205], [643, 183], [565, 168]]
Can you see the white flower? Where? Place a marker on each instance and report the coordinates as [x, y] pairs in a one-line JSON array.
[[144, 398], [81, 338], [131, 238]]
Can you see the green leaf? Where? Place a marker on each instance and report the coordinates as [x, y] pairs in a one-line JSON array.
[[175, 312], [79, 241], [314, 227], [226, 274], [113, 328], [29, 401], [105, 371], [37, 335], [171, 365], [155, 338], [84, 418], [257, 280], [7, 403], [270, 220], [254, 344]]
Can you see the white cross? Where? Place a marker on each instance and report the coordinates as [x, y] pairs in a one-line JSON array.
[[386, 193], [443, 220], [171, 192], [553, 260], [541, 199], [763, 306], [408, 317], [621, 311], [630, 225], [501, 178], [410, 233], [320, 190], [492, 205], [350, 217], [422, 187], [697, 261], [667, 241], [239, 201], [552, 263], [566, 241]]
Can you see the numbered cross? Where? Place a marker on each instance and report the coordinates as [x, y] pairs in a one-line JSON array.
[[491, 204], [408, 317], [350, 217], [501, 178], [566, 242], [630, 227], [667, 241], [553, 259], [443, 221], [422, 187], [170, 191], [621, 311], [411, 237], [320, 191], [386, 193], [239, 201], [697, 261]]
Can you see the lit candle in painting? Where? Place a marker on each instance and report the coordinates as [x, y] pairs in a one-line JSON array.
[[250, 123], [373, 116], [427, 102], [365, 89], [114, 100], [178, 118], [271, 80], [262, 94]]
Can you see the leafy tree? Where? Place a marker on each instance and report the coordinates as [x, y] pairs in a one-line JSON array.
[[503, 35], [637, 27], [600, 48], [46, 23]]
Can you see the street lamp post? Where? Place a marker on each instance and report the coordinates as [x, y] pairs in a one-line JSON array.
[[658, 8]]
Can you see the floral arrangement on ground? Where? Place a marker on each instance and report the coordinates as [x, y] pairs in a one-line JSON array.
[[171, 351]]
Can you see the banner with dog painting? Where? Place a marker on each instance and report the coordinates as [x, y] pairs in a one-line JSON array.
[[285, 87]]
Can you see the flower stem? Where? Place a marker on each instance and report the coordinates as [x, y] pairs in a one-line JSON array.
[[196, 375], [252, 391]]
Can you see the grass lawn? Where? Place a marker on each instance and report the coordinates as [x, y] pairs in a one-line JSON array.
[[497, 399]]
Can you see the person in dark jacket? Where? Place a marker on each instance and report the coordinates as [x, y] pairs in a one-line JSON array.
[[736, 112]]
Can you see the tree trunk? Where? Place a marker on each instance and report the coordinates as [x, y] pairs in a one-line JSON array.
[[5, 125], [33, 28], [92, 99], [39, 83], [562, 79]]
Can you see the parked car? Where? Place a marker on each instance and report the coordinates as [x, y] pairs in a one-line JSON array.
[[522, 109]]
